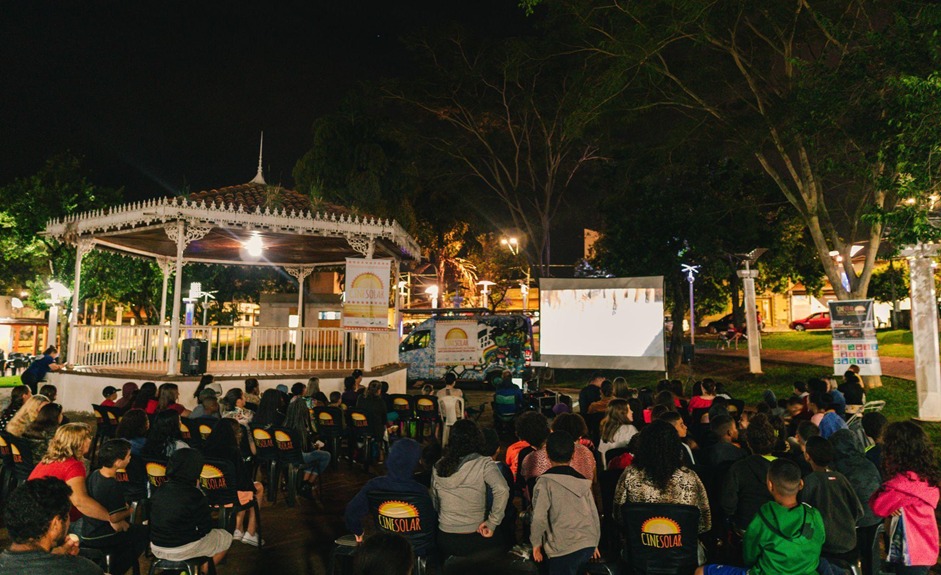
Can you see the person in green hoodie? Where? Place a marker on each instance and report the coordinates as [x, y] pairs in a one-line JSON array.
[[785, 537]]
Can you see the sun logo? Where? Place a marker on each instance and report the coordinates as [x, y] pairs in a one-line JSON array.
[[367, 281], [661, 532], [399, 517], [211, 477], [455, 333]]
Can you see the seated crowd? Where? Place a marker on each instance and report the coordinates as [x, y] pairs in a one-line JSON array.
[[787, 488]]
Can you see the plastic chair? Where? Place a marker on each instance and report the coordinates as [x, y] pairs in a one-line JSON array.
[[290, 459], [156, 470], [204, 426], [403, 406], [360, 434], [7, 473], [410, 515], [868, 407], [133, 480], [107, 419], [22, 458], [451, 409], [189, 429], [429, 420], [341, 555], [660, 538], [329, 422], [189, 566], [219, 480], [266, 453]]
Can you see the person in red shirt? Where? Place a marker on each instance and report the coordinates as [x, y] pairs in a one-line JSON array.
[[63, 460], [167, 397], [110, 394]]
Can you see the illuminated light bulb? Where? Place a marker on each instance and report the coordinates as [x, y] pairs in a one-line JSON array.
[[254, 246]]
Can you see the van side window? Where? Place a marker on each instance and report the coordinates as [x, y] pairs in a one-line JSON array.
[[417, 340]]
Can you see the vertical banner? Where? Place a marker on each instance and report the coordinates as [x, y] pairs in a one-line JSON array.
[[366, 297], [456, 343], [854, 337]]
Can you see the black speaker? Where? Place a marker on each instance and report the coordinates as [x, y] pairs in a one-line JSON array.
[[193, 356]]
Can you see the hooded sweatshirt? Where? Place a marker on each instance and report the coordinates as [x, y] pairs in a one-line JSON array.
[[863, 476], [746, 489], [831, 494], [917, 500], [461, 498], [565, 519], [782, 541], [179, 510], [400, 466]]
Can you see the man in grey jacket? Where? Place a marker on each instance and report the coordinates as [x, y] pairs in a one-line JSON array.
[[565, 527]]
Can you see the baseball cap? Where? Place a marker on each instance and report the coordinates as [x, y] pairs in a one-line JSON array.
[[108, 391]]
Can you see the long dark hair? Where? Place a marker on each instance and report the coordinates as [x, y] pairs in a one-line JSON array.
[[168, 395], [297, 419], [16, 399], [164, 431], [223, 441], [465, 439], [268, 408], [133, 424], [906, 447], [46, 420], [230, 398], [658, 453], [205, 380], [148, 391]]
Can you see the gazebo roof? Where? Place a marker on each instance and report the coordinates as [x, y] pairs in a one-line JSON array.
[[218, 222]]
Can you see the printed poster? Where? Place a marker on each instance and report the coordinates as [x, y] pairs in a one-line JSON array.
[[854, 337], [366, 297], [456, 343]]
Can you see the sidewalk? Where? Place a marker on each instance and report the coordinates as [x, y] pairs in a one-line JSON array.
[[900, 367]]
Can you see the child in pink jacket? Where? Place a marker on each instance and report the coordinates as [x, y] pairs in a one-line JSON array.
[[910, 496]]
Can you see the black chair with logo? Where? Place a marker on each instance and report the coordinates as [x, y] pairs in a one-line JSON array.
[[189, 429], [266, 453], [107, 419], [329, 423], [133, 480], [410, 515], [660, 538], [7, 472], [22, 457], [360, 436], [219, 481], [290, 460], [156, 470], [403, 406], [429, 420]]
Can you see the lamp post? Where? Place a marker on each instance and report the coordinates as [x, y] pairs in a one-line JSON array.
[[748, 276], [691, 272], [432, 292], [513, 245], [484, 292], [57, 293]]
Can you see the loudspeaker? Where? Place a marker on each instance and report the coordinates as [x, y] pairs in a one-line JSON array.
[[194, 356]]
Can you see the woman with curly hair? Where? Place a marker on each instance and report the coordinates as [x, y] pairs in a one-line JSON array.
[[63, 460], [269, 412], [910, 496], [459, 484], [26, 414], [657, 475]]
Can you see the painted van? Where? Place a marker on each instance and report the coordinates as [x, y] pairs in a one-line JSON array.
[[504, 342]]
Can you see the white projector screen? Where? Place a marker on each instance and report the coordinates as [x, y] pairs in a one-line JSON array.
[[614, 323]]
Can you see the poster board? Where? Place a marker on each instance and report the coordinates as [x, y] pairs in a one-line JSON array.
[[456, 343], [852, 323], [366, 295]]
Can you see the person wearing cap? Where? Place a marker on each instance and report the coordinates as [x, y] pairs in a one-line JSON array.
[[208, 405], [110, 393]]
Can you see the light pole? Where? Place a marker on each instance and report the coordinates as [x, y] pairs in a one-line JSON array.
[[57, 293], [432, 292], [691, 272], [484, 292], [513, 245], [748, 276]]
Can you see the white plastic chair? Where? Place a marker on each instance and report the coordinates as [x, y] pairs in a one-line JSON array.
[[868, 407], [451, 409]]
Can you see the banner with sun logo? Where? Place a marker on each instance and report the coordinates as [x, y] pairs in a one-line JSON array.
[[661, 532], [399, 517], [456, 343], [366, 299]]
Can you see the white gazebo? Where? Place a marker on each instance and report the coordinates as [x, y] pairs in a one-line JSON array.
[[252, 224]]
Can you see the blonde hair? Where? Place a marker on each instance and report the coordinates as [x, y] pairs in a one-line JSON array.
[[615, 417], [26, 414], [313, 386], [67, 443]]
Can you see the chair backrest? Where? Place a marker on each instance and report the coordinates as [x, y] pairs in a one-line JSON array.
[[156, 470], [22, 451], [205, 425], [133, 479], [451, 408], [265, 448], [106, 419], [402, 404], [329, 421], [661, 538], [218, 480], [410, 515], [289, 446], [359, 423], [426, 407], [189, 429]]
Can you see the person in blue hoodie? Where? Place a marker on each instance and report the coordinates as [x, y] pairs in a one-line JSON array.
[[400, 467]]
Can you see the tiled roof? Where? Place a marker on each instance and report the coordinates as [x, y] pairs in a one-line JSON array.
[[252, 195]]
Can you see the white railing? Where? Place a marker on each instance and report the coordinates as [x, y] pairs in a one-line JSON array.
[[231, 348], [382, 348]]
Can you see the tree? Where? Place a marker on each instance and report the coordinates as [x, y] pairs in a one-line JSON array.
[[800, 87]]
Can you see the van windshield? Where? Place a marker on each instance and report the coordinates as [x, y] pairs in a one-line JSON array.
[[417, 340]]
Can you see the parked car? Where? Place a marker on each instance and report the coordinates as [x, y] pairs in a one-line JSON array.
[[819, 320]]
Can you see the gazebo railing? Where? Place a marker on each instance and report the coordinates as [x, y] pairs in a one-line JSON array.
[[232, 349]]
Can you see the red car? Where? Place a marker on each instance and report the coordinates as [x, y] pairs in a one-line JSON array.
[[819, 320]]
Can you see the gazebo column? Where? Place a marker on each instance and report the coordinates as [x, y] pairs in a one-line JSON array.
[[82, 247], [181, 234], [164, 264], [300, 274]]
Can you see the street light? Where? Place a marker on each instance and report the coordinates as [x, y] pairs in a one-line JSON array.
[[485, 291], [691, 272], [57, 293], [513, 245], [748, 276], [432, 291]]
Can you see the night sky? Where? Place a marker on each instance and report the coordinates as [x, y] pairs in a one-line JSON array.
[[155, 96]]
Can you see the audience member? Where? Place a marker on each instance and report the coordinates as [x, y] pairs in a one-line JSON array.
[[39, 368], [298, 390], [622, 389], [864, 477], [37, 521], [26, 414], [233, 405], [852, 389], [252, 394], [874, 424], [18, 396], [270, 412], [110, 394], [532, 429], [144, 397], [704, 400], [374, 407], [336, 400], [507, 398], [839, 400], [181, 525], [590, 393], [676, 420], [134, 427], [223, 443], [617, 427], [607, 394], [582, 460], [204, 383], [314, 397], [208, 405], [167, 397], [316, 460], [41, 431], [745, 489], [831, 494], [825, 417], [785, 537], [350, 394], [128, 392], [565, 528], [910, 496], [459, 489], [164, 436], [384, 554], [125, 547], [450, 383], [657, 475]]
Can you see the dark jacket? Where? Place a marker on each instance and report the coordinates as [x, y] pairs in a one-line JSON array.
[[831, 494], [179, 510], [403, 458], [863, 476], [375, 410], [746, 489], [588, 395]]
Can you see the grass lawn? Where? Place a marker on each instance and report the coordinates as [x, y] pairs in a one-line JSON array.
[[10, 381], [892, 343]]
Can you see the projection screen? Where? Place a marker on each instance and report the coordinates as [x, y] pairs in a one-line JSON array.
[[611, 323]]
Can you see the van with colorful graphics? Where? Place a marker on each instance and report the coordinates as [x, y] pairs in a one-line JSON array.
[[474, 347]]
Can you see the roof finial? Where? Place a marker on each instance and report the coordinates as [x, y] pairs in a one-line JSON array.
[[259, 177]]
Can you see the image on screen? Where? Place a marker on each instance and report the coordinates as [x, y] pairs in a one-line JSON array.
[[611, 323]]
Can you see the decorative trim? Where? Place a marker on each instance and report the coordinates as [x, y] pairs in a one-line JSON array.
[[167, 265], [84, 246], [361, 245], [299, 273], [191, 231]]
